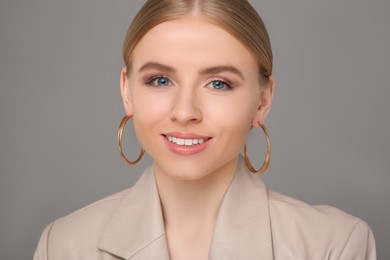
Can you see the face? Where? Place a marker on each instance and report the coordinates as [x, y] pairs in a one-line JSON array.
[[194, 94]]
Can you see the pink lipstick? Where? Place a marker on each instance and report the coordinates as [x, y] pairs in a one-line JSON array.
[[185, 143]]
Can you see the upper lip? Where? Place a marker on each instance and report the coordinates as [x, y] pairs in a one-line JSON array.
[[186, 135]]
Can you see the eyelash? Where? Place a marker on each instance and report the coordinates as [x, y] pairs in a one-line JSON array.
[[227, 85], [152, 82]]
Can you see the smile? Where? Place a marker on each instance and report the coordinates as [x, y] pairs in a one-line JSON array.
[[185, 142]]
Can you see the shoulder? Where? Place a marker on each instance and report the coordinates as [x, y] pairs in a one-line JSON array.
[[79, 234], [318, 230], [90, 216], [83, 226], [297, 209]]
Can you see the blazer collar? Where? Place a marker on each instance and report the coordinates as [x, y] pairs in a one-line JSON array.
[[136, 227], [242, 231], [243, 228]]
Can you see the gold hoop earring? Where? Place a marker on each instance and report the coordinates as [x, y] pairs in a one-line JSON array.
[[267, 157], [120, 131]]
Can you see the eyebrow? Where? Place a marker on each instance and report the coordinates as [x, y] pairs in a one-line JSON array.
[[220, 69], [205, 71], [156, 66]]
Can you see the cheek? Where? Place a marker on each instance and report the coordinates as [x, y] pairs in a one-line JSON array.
[[149, 109], [233, 114]]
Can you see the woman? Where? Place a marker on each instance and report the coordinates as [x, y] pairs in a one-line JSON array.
[[197, 79]]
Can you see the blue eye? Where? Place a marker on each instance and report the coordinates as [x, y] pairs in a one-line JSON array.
[[159, 82], [219, 85]]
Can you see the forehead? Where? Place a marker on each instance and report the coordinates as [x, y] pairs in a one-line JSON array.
[[192, 41]]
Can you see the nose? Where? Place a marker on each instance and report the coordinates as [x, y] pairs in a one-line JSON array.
[[186, 108]]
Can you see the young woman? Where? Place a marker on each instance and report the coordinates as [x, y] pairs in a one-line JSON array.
[[197, 79]]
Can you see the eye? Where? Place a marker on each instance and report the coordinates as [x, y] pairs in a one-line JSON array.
[[159, 82], [219, 85]]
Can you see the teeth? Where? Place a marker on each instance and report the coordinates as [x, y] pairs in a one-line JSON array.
[[180, 141], [186, 142]]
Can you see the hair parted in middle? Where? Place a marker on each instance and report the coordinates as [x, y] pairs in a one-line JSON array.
[[237, 17]]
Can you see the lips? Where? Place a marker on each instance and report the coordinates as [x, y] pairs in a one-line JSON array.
[[186, 143]]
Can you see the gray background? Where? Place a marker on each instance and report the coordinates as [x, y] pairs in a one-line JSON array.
[[60, 107]]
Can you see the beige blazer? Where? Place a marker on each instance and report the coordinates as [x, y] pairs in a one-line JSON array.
[[253, 223]]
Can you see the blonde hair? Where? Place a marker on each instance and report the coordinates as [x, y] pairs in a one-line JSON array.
[[237, 17]]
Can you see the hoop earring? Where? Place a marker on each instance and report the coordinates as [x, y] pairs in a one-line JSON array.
[[267, 157], [120, 131]]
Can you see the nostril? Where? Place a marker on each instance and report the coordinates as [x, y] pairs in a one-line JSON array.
[[185, 110], [185, 116], [173, 117]]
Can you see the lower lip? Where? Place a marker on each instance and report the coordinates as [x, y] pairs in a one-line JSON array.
[[186, 149]]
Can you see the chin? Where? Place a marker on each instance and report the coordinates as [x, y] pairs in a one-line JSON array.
[[193, 169]]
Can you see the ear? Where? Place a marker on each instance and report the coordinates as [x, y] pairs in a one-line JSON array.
[[264, 104], [125, 91]]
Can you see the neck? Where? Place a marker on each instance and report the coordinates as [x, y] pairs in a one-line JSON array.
[[192, 205]]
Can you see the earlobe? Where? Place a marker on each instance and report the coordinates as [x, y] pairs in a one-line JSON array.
[[264, 104], [125, 91]]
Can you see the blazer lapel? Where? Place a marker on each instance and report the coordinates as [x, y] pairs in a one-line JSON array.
[[243, 229], [136, 228]]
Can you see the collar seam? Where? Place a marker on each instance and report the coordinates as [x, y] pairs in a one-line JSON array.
[[144, 246]]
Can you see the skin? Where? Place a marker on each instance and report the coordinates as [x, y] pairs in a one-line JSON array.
[[174, 87]]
